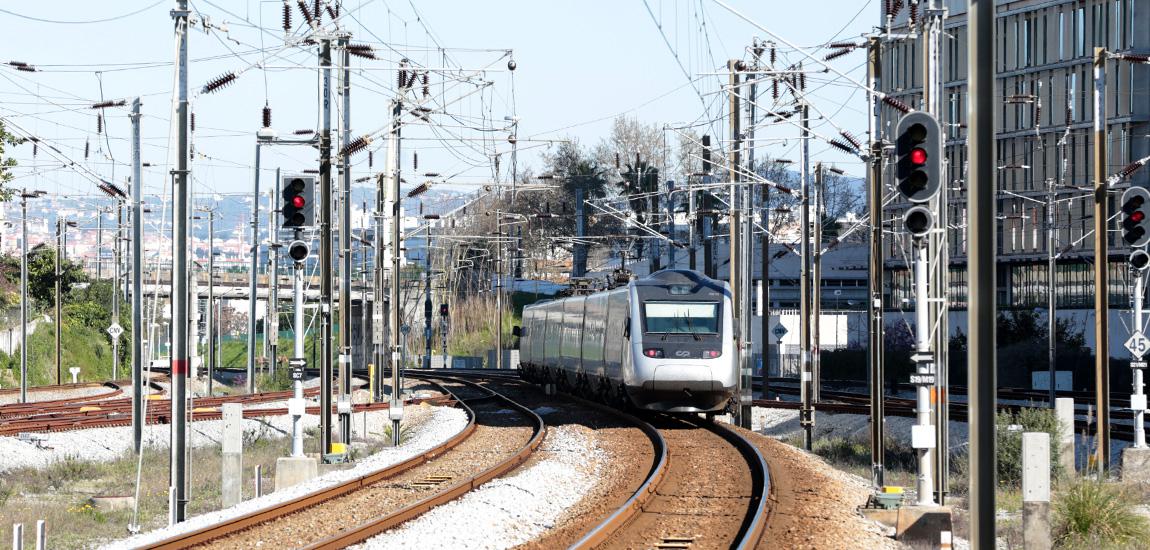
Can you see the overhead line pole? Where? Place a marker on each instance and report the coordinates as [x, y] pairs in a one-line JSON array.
[[806, 413], [210, 328], [253, 275], [116, 282], [1101, 266], [178, 496], [875, 271], [325, 245], [981, 362], [345, 247], [396, 404], [137, 284], [272, 320], [734, 268]]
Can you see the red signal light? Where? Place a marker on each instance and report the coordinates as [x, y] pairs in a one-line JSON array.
[[298, 201], [918, 156], [1137, 216]]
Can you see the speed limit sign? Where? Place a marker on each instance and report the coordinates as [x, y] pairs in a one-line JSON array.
[[1138, 344]]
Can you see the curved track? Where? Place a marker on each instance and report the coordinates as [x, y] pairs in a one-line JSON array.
[[382, 500]]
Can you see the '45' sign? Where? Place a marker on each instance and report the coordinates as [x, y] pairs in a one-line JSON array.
[[1138, 344]]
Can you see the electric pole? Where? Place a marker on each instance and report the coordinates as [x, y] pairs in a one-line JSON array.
[[734, 271], [1101, 266], [325, 245], [345, 246], [874, 283], [806, 413], [137, 284], [178, 499]]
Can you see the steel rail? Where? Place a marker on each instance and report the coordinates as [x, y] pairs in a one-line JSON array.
[[369, 529], [276, 511]]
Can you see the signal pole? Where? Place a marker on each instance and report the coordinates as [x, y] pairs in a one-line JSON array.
[[806, 413], [210, 328], [116, 282], [178, 496], [272, 321], [396, 405], [325, 244], [1101, 267]]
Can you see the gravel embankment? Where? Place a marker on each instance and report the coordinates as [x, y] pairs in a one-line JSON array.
[[431, 426], [510, 511], [38, 395]]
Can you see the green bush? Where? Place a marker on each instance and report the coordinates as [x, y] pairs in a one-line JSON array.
[[1093, 514], [1009, 442]]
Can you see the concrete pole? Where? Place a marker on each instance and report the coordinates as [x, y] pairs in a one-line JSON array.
[[1036, 527], [232, 455], [1101, 267], [1138, 398], [396, 402], [272, 322], [922, 433], [817, 286], [579, 253], [325, 252], [1064, 410], [137, 284], [99, 244], [24, 296], [254, 250], [806, 414], [116, 287], [61, 223], [981, 232], [210, 328], [41, 534], [179, 355], [345, 247], [17, 536], [874, 290], [734, 270], [498, 289], [299, 330]]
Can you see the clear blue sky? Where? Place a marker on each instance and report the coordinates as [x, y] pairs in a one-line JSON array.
[[579, 65]]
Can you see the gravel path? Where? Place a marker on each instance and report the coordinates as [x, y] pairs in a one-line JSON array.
[[54, 394], [431, 426], [510, 511]]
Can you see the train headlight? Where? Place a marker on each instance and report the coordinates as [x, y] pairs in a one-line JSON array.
[[653, 352]]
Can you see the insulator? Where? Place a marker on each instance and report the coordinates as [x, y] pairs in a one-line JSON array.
[[845, 147], [287, 17], [361, 50], [17, 63], [99, 123], [111, 103], [888, 7], [896, 103], [317, 12], [192, 122], [803, 81], [370, 158], [26, 68], [774, 54], [304, 132], [426, 88], [913, 12], [1136, 58], [304, 10], [218, 82], [836, 54], [35, 148], [356, 145], [775, 89], [851, 45], [1038, 113], [267, 116], [402, 80], [851, 139], [897, 6], [415, 160], [1130, 169], [330, 12], [86, 146]]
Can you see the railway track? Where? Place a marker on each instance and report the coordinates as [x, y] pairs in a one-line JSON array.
[[492, 444], [706, 486]]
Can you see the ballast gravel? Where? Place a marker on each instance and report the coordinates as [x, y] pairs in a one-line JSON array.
[[432, 426], [513, 510]]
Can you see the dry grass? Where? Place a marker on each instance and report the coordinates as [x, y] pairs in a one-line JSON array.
[[60, 493]]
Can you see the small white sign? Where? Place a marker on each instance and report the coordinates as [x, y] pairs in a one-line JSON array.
[[1138, 344], [115, 330]]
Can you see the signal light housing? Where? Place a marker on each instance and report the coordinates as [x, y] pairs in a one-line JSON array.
[[918, 156], [918, 221], [1139, 260], [443, 310], [299, 250], [1136, 216], [297, 207]]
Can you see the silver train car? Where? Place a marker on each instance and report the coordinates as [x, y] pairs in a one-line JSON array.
[[664, 342]]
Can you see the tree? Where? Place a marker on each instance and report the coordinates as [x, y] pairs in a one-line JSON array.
[[42, 276], [6, 162]]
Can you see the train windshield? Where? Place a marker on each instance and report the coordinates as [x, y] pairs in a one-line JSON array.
[[681, 317]]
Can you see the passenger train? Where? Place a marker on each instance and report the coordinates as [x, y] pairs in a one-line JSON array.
[[664, 342]]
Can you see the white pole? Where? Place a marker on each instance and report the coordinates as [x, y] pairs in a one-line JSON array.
[[923, 440], [1138, 399]]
